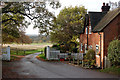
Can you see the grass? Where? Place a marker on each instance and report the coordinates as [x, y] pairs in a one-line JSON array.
[[18, 54], [42, 56], [112, 70], [21, 52], [13, 57]]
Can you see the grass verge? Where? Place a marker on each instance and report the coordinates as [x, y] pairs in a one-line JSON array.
[[41, 57], [23, 52], [112, 70], [15, 57]]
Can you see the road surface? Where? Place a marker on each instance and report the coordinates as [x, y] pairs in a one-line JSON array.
[[34, 68]]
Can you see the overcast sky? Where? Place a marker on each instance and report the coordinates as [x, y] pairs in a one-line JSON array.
[[90, 5]]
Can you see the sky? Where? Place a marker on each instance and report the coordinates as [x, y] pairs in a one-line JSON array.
[[90, 5]]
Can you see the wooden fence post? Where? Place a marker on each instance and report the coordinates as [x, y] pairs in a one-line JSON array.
[[8, 53], [16, 51], [48, 52], [73, 58], [24, 52], [82, 63], [78, 61]]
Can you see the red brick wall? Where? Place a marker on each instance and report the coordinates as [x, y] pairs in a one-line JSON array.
[[93, 39], [111, 32], [83, 40]]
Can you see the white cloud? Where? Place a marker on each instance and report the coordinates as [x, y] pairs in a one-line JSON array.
[[31, 31]]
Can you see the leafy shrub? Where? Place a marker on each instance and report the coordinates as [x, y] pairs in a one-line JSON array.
[[75, 50], [56, 46], [114, 52], [90, 55], [93, 62], [62, 49]]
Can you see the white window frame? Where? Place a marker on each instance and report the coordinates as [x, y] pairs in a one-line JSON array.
[[97, 48], [86, 30], [81, 47], [90, 30], [90, 47]]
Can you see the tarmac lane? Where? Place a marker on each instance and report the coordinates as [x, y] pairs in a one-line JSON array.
[[31, 67]]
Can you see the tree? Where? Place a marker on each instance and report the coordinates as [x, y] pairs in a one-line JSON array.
[[11, 29], [23, 39], [114, 52], [14, 13], [40, 38], [68, 25]]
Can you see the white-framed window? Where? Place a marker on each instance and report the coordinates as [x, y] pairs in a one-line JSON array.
[[81, 47], [90, 47], [97, 48], [90, 30], [86, 30]]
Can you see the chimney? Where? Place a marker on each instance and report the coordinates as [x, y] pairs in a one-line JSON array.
[[105, 8]]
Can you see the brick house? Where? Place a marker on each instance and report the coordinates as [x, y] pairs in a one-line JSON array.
[[100, 28]]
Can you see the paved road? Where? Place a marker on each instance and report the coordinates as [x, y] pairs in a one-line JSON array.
[[41, 69]]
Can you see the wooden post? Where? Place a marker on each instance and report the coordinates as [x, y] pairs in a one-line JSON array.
[[48, 52], [78, 61], [82, 64], [16, 51], [73, 58], [8, 53], [24, 52]]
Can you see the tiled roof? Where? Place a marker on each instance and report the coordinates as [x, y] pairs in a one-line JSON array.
[[106, 20], [95, 17]]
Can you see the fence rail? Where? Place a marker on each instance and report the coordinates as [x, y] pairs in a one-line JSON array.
[[53, 54]]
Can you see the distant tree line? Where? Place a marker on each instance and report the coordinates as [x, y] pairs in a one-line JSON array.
[[40, 38], [22, 39]]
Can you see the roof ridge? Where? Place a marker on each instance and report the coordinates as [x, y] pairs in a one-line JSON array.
[[108, 18], [94, 12]]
